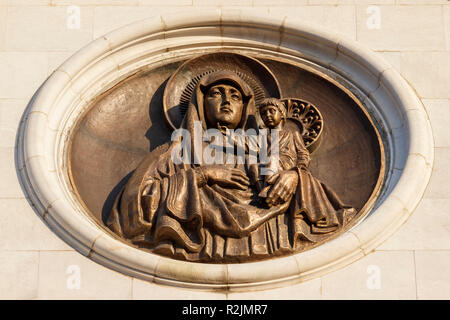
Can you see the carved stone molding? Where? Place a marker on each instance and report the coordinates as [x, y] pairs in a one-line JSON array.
[[54, 110]]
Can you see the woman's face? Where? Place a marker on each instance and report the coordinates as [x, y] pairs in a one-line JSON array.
[[223, 106]]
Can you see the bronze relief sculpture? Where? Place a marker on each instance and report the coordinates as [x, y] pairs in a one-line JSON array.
[[179, 203]]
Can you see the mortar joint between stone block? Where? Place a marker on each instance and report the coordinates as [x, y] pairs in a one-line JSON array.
[[44, 215], [91, 249], [221, 26], [359, 243], [281, 30], [164, 25]]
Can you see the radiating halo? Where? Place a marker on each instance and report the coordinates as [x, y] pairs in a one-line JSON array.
[[181, 84]]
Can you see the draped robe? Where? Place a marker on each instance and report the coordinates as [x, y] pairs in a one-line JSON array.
[[171, 210]]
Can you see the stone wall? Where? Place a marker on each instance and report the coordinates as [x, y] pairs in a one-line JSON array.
[[36, 36]]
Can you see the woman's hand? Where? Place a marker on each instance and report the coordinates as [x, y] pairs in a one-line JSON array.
[[284, 185], [225, 177]]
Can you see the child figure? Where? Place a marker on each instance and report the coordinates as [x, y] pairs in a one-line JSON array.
[[291, 149]]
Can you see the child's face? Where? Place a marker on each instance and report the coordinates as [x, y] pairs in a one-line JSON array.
[[271, 116]]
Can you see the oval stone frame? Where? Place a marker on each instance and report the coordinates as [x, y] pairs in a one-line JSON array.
[[46, 128]]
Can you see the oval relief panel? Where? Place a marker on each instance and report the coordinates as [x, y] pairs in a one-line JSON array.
[[225, 153]]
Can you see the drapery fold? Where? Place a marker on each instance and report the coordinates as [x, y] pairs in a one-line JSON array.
[[166, 207]]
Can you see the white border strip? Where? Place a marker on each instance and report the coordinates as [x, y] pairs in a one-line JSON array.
[[62, 99]]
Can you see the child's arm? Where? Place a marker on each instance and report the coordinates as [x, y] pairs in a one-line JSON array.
[[303, 157]]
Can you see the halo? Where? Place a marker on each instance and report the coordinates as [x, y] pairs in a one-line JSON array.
[[308, 119], [182, 83]]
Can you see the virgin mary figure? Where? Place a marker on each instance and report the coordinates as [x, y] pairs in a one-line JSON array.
[[211, 212]]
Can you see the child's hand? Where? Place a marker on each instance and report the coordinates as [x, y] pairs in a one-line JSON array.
[[269, 179], [264, 186]]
